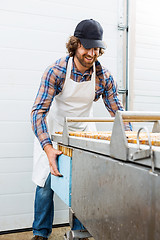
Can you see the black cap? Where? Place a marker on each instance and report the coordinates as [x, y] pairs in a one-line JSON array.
[[90, 34]]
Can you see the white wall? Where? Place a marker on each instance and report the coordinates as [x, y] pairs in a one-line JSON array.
[[145, 59], [33, 35]]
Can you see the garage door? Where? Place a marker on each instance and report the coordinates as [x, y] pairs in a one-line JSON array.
[[33, 35]]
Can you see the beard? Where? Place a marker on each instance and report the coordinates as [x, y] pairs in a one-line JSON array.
[[86, 60]]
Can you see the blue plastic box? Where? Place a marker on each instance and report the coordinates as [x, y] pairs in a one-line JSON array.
[[62, 185]]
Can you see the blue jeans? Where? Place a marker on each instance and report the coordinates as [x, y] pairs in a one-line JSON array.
[[43, 210]]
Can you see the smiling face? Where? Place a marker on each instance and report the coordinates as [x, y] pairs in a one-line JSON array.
[[84, 58]]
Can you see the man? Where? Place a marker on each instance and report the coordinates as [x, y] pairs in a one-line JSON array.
[[70, 85]]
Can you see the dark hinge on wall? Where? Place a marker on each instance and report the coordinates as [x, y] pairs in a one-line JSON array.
[[122, 27], [123, 91]]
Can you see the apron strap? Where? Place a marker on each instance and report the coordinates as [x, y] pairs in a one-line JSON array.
[[69, 66], [93, 78]]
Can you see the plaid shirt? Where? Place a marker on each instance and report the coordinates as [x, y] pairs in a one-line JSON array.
[[52, 84]]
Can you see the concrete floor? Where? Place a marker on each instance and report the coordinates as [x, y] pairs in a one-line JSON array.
[[57, 234]]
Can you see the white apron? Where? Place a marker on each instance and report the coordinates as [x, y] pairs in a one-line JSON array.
[[75, 100]]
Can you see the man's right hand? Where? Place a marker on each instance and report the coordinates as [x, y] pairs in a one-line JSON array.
[[52, 158]]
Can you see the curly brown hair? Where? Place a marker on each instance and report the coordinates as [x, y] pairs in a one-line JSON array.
[[72, 46]]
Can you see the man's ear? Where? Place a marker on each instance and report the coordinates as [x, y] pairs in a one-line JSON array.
[[79, 44]]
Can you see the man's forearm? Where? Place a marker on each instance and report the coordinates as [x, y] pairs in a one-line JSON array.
[[47, 148]]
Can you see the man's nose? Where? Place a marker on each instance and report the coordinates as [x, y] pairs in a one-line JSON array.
[[91, 52]]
